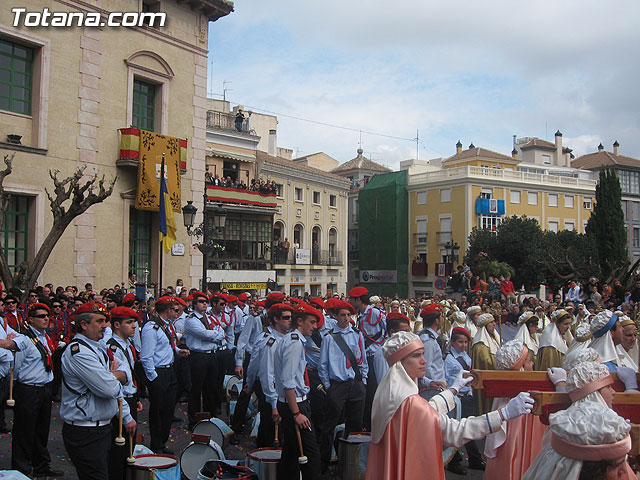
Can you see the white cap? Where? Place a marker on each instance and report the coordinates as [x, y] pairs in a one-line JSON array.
[[508, 354]]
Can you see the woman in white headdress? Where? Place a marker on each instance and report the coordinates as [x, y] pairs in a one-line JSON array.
[[581, 338], [588, 441], [553, 346], [407, 433], [590, 382], [471, 324], [459, 319], [511, 449], [527, 333], [574, 357], [604, 326], [486, 343], [627, 357]]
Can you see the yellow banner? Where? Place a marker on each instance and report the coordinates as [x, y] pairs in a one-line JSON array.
[[152, 146], [243, 286]]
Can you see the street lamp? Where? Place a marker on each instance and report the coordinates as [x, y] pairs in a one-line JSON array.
[[452, 251], [189, 215]]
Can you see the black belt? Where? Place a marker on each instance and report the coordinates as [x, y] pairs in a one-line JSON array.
[[165, 366], [193, 350]]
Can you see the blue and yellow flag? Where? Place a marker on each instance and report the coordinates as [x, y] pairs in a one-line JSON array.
[[167, 220]]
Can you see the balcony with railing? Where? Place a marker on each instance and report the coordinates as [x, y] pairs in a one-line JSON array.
[[230, 195], [316, 257], [420, 238], [443, 238], [227, 121]]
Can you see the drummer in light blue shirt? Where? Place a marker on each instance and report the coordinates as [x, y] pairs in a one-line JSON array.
[[292, 387], [396, 322]]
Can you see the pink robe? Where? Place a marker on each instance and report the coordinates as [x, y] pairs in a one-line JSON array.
[[411, 446], [519, 450]]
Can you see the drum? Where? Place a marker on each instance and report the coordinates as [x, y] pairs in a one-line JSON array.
[[195, 455], [215, 470], [216, 429], [449, 452], [264, 461], [232, 386], [154, 467], [353, 452]]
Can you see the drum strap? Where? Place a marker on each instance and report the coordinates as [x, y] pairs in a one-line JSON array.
[[342, 345]]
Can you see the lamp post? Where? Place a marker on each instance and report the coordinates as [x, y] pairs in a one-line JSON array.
[[452, 249]]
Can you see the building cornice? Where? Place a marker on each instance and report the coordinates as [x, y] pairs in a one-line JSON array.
[[302, 176]]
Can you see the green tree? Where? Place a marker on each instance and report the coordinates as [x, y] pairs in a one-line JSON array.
[[520, 243], [606, 226], [568, 255], [480, 243]]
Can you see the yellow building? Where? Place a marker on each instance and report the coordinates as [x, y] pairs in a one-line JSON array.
[[66, 92], [477, 187]]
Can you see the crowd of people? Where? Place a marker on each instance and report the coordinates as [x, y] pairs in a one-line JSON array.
[[391, 367], [256, 185]]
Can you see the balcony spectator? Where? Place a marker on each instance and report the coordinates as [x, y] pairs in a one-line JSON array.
[[575, 292], [239, 120], [506, 287]]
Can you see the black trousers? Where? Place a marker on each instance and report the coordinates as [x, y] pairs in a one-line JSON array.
[[342, 398], [266, 429], [288, 467], [162, 401], [240, 412], [469, 409], [203, 396], [88, 448], [183, 374], [372, 386], [31, 420], [317, 401], [225, 361], [4, 395], [57, 372], [118, 455]]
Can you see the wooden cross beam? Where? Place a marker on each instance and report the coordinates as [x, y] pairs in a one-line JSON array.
[[627, 405]]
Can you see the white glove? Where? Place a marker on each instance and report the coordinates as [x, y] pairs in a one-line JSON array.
[[61, 344], [628, 377], [519, 405], [460, 382], [557, 375]]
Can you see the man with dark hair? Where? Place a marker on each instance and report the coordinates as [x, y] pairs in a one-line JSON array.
[[432, 316], [158, 350], [396, 322], [224, 355], [12, 316], [33, 377]]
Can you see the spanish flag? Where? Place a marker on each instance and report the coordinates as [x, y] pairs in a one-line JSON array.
[[167, 220]]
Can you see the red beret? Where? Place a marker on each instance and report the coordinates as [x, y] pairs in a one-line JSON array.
[[280, 307], [92, 307], [123, 312], [461, 330], [260, 303], [358, 292], [342, 305], [180, 301], [317, 301], [38, 306], [295, 300], [217, 296], [276, 297], [129, 297], [397, 315], [304, 309], [189, 298], [242, 297], [431, 308], [165, 299], [232, 298], [330, 304]]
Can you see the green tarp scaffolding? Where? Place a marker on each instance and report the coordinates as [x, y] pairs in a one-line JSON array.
[[384, 232]]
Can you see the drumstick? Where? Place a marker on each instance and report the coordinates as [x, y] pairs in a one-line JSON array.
[[11, 402], [119, 439], [131, 458], [302, 460]]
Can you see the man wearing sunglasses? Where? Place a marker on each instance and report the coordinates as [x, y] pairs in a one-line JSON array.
[[32, 391], [12, 316], [203, 336], [224, 353]]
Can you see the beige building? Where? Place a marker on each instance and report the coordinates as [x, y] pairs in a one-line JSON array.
[[66, 92]]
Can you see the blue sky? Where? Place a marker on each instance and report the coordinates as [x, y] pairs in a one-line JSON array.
[[476, 72]]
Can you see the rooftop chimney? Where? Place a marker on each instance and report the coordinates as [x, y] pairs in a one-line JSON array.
[[471, 146], [273, 142], [559, 162], [514, 153], [458, 147], [616, 148], [600, 147], [360, 152]]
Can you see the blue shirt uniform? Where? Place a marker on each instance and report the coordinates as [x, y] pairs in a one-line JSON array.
[[312, 350], [290, 366], [433, 355], [226, 323], [373, 326], [121, 351], [250, 333], [6, 356], [201, 338], [452, 367], [333, 364], [266, 369], [178, 325], [157, 349], [90, 390], [30, 367], [239, 319]]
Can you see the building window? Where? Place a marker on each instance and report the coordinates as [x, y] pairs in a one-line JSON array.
[[144, 99], [297, 236], [489, 222], [15, 234], [316, 198], [356, 210], [553, 200], [298, 194], [445, 195], [279, 190], [421, 232], [532, 198], [422, 198], [586, 203], [16, 77], [568, 201], [629, 181], [487, 193], [635, 211], [553, 226], [230, 170], [333, 201], [636, 237], [546, 159], [515, 196], [140, 228], [569, 225]]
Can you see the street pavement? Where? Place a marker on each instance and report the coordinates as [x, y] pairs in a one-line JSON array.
[[178, 440]]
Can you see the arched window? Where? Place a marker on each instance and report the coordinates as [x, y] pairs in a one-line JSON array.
[[298, 236]]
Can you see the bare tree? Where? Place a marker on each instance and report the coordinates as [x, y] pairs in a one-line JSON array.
[[71, 197]]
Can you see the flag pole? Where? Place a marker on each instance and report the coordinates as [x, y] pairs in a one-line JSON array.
[[161, 242]]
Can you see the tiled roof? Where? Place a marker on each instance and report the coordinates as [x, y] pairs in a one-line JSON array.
[[479, 152], [265, 157], [361, 163], [539, 143], [592, 161]]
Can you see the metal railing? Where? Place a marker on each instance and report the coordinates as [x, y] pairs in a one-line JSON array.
[[227, 121], [443, 237], [420, 238], [318, 257]]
